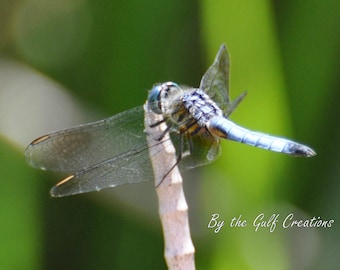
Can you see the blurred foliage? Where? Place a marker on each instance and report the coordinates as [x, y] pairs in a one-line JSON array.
[[108, 54], [21, 230]]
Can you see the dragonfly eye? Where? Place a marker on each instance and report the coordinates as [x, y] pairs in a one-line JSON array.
[[161, 94], [154, 99]]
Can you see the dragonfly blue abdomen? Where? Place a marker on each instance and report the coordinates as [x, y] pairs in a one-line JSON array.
[[224, 128]]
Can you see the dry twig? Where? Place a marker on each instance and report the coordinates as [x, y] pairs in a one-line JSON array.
[[173, 208]]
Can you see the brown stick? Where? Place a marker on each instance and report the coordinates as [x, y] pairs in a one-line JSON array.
[[173, 208]]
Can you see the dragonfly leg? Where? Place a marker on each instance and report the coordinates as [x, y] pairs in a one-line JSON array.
[[178, 159]]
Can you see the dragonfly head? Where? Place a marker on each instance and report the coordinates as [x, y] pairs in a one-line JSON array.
[[161, 95]]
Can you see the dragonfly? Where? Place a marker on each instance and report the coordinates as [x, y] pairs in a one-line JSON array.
[[114, 151]]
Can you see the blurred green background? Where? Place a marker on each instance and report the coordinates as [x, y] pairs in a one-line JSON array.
[[69, 62]]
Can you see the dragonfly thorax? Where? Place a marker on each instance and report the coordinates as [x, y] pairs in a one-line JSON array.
[[200, 106], [182, 107]]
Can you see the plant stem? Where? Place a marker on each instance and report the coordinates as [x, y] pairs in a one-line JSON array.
[[173, 208]]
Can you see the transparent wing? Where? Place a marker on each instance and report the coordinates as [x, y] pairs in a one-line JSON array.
[[102, 154], [215, 82], [196, 150], [77, 148], [130, 167]]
